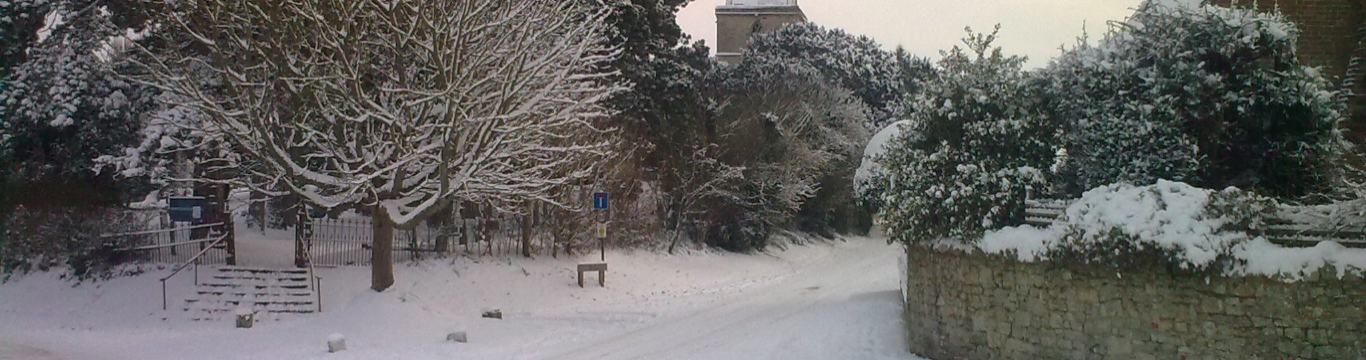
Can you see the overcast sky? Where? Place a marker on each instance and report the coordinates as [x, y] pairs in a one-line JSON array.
[[1034, 28]]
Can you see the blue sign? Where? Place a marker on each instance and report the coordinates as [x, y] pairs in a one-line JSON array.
[[186, 208], [600, 200]]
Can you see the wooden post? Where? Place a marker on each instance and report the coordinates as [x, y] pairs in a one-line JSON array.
[[299, 239], [232, 241]]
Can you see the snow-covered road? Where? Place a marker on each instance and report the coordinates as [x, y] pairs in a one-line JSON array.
[[828, 300], [845, 306]]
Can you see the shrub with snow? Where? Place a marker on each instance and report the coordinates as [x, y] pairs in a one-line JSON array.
[[1208, 95], [970, 152], [65, 238], [63, 107], [1167, 224], [1170, 225]]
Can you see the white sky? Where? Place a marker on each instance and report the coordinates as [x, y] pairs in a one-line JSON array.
[[1035, 28]]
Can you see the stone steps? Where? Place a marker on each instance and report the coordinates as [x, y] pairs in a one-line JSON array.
[[269, 293]]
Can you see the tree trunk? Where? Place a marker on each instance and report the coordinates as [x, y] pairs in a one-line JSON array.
[[443, 222], [526, 231], [382, 253]]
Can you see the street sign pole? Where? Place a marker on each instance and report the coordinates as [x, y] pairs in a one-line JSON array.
[[600, 204]]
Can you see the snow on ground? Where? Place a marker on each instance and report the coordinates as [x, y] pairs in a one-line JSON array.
[[834, 300]]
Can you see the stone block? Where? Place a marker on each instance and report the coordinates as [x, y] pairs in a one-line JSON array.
[[335, 343], [245, 318], [458, 336]]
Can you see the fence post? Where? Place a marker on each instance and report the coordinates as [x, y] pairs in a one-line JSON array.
[[299, 239], [232, 240]]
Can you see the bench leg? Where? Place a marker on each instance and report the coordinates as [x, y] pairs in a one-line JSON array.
[[580, 279], [602, 280]]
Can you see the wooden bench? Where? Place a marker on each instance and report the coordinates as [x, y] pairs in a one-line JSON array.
[[601, 268]]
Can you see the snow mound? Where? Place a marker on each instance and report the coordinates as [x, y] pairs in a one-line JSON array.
[[1169, 214], [876, 147], [1266, 258], [1028, 242]]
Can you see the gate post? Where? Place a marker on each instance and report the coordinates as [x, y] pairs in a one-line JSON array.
[[299, 239], [232, 241]]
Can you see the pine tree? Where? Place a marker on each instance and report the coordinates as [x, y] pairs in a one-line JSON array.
[[881, 79], [64, 107]]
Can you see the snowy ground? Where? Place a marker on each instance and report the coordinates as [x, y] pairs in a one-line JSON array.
[[833, 300]]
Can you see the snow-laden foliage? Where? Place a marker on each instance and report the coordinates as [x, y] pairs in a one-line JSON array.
[[1191, 228], [20, 21], [971, 151], [1178, 227], [64, 107], [68, 237], [1209, 95], [879, 78], [403, 106], [786, 144]]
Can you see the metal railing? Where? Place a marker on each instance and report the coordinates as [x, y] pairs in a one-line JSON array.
[[193, 261], [315, 281], [339, 242], [173, 245]]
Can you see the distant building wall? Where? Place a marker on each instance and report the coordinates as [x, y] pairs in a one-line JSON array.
[[737, 20], [1332, 36]]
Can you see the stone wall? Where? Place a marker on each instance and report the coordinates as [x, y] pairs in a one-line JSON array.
[[975, 306]]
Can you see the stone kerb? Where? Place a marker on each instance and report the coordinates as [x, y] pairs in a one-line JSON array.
[[968, 306]]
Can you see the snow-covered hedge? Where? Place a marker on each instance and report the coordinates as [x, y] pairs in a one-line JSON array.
[[970, 152], [1212, 96], [1173, 225], [44, 239]]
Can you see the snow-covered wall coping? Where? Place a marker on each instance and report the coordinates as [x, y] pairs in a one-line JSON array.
[[1172, 216]]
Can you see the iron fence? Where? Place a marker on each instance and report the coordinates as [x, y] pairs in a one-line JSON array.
[[347, 241], [176, 243]]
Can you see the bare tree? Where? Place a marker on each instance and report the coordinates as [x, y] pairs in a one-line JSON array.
[[400, 106]]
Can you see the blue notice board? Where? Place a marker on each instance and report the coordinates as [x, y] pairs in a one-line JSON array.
[[600, 200], [186, 208]]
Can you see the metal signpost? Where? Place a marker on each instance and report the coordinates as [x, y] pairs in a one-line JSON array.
[[600, 203]]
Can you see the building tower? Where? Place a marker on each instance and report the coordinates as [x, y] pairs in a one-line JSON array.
[[737, 20]]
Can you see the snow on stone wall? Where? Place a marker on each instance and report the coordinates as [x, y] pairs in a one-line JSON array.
[[971, 306]]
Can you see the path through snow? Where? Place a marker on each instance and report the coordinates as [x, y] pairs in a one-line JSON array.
[[842, 307]]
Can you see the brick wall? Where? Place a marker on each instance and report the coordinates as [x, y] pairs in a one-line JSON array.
[[975, 306], [1328, 28]]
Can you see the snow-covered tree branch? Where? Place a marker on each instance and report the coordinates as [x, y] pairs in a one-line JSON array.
[[402, 106]]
